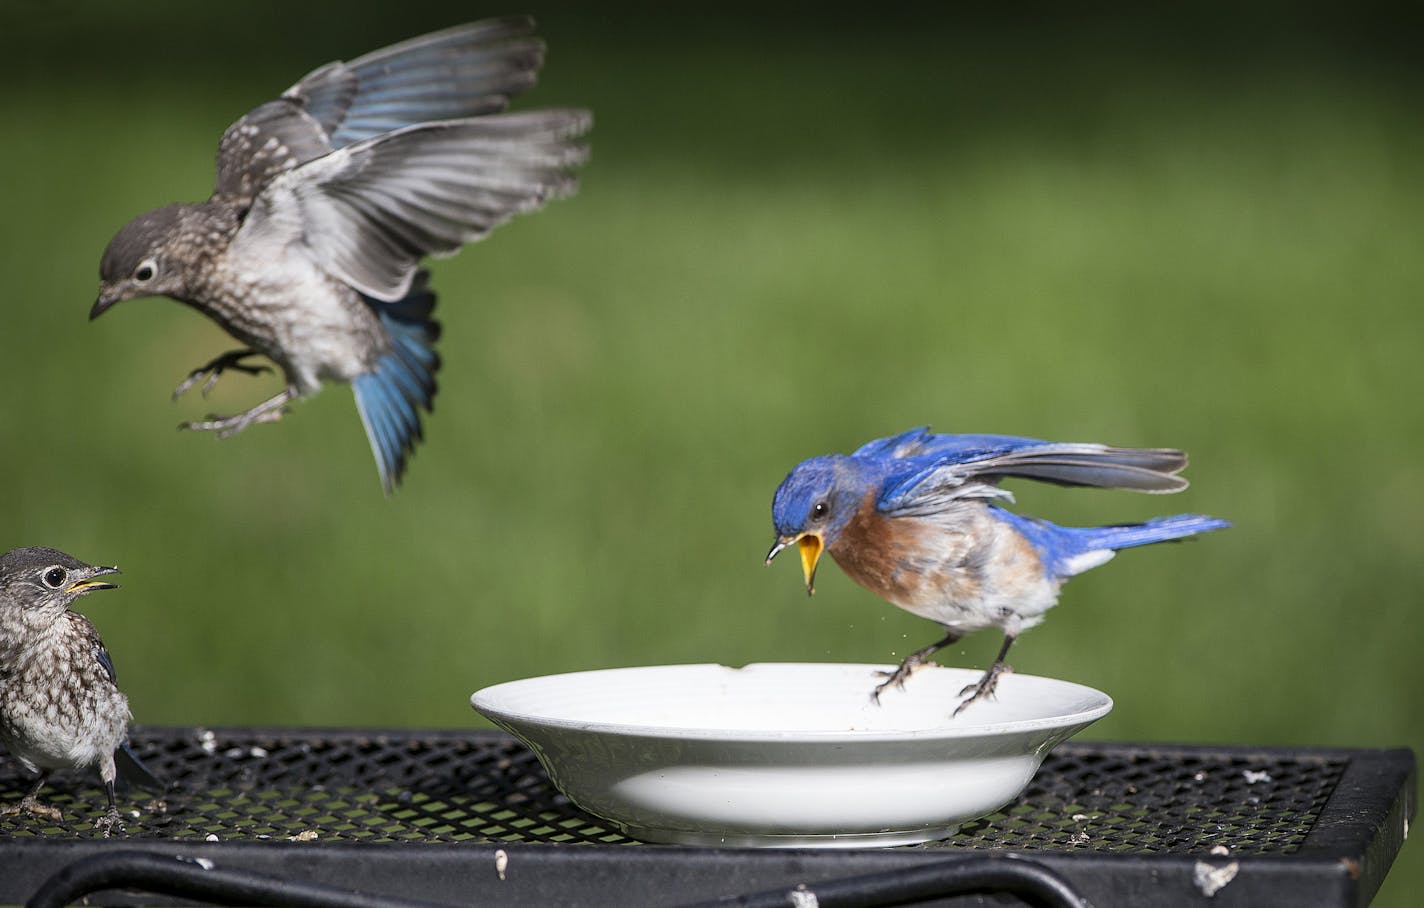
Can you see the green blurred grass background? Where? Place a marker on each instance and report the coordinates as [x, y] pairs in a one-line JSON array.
[[797, 233]]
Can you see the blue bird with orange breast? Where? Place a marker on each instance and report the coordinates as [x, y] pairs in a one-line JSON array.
[[915, 519]]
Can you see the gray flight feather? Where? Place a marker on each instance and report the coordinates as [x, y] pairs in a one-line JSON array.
[[368, 213], [1152, 470], [467, 71]]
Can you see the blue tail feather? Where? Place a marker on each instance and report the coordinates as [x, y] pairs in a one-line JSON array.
[[1071, 550], [391, 396], [1158, 529]]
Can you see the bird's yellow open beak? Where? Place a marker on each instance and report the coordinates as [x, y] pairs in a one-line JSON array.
[[811, 545], [90, 585]]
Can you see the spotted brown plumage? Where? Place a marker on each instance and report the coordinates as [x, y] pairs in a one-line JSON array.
[[60, 704], [326, 201]]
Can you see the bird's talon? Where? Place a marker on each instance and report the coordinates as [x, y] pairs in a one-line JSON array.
[[985, 687], [34, 808], [212, 371], [228, 426], [110, 823]]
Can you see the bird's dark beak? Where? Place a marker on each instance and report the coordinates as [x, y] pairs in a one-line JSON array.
[[781, 543], [811, 545], [102, 305], [89, 584]]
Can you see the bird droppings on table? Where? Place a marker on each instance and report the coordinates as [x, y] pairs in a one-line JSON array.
[[801, 897], [501, 862], [254, 752], [1210, 880]]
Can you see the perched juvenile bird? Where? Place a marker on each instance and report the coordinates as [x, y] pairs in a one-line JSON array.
[[326, 201], [914, 519], [60, 707]]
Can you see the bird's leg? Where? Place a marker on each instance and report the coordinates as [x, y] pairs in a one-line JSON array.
[[985, 686], [208, 374], [31, 805], [110, 822], [226, 426], [913, 662]]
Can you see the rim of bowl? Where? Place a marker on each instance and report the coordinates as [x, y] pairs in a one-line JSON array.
[[482, 699]]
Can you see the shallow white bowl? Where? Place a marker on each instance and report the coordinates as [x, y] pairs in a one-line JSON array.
[[784, 754]]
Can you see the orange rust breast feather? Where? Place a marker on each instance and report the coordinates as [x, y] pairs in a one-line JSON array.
[[909, 561]]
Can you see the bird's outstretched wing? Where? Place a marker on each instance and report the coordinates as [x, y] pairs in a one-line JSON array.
[[134, 771], [467, 71], [369, 212], [949, 467]]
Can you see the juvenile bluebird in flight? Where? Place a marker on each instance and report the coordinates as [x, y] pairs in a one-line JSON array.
[[60, 707], [326, 201], [914, 519]]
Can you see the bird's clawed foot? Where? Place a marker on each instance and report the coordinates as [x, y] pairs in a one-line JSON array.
[[32, 806], [984, 687], [110, 823], [227, 426], [209, 374], [900, 675], [913, 663]]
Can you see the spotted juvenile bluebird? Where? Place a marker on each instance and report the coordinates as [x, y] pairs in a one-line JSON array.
[[60, 707], [328, 198], [915, 519]]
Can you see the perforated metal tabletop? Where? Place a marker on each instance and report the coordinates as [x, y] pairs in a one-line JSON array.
[[471, 817]]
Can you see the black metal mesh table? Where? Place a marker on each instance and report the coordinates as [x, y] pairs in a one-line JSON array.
[[470, 817]]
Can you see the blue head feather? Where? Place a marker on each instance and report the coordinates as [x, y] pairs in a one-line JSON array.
[[834, 480]]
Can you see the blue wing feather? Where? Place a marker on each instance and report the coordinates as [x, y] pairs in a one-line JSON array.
[[391, 396], [922, 470], [466, 71], [101, 653]]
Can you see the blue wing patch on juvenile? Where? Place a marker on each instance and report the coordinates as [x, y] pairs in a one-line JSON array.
[[391, 396], [106, 662], [465, 71]]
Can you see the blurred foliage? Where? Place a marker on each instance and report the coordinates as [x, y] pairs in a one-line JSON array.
[[1195, 229]]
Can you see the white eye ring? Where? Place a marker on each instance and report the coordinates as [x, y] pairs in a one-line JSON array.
[[55, 576], [146, 271]]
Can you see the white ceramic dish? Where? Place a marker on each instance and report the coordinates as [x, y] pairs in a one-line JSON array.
[[783, 754]]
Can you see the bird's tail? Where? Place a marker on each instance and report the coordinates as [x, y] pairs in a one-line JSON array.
[[391, 396], [1081, 548], [1158, 529], [132, 770]]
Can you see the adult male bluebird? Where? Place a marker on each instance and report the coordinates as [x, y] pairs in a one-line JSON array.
[[326, 201], [60, 706], [914, 519]]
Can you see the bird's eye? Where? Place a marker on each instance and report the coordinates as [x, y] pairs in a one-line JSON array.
[[820, 509], [145, 271], [54, 577]]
